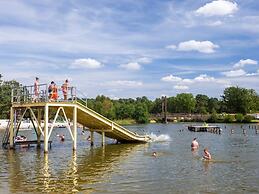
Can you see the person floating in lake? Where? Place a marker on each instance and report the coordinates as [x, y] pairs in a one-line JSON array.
[[36, 90], [61, 137], [64, 88], [154, 154], [195, 144], [206, 154]]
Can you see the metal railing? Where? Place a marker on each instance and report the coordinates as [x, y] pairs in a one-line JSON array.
[[30, 94]]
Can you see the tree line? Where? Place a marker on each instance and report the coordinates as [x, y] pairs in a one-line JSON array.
[[235, 100]]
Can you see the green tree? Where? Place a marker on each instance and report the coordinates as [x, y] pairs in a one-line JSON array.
[[213, 105], [248, 119], [104, 106], [5, 97], [171, 104], [239, 100], [201, 103], [124, 111], [239, 117], [213, 117], [141, 114], [229, 118], [184, 103], [157, 106]]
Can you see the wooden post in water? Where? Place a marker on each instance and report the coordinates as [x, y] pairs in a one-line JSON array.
[[164, 109], [92, 138], [11, 129], [38, 128], [46, 128], [103, 138], [75, 127]]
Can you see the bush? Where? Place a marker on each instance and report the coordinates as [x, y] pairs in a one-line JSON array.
[[239, 118], [213, 117], [248, 119], [229, 118]]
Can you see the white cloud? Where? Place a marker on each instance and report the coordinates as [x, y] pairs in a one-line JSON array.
[[131, 66], [181, 87], [193, 45], [242, 63], [171, 46], [171, 78], [85, 63], [187, 81], [216, 23], [124, 83], [234, 73], [204, 78], [144, 60], [218, 8]]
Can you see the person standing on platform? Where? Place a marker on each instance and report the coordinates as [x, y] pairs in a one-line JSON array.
[[36, 90], [55, 92], [64, 88], [50, 90]]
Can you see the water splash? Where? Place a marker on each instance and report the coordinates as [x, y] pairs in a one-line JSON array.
[[159, 138]]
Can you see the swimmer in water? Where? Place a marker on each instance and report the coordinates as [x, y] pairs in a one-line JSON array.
[[206, 154], [154, 154], [61, 137], [195, 144]]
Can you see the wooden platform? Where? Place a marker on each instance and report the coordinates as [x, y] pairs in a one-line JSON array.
[[29, 143], [201, 128]]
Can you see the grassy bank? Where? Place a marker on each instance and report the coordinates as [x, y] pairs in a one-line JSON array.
[[125, 121]]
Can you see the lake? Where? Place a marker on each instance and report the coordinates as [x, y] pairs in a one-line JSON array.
[[131, 168]]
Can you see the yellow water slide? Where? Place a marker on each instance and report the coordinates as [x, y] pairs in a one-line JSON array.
[[96, 122]]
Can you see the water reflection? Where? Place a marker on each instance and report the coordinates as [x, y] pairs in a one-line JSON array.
[[14, 169], [46, 174], [206, 165], [73, 174]]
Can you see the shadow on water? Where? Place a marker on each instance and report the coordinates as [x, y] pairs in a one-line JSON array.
[[38, 172]]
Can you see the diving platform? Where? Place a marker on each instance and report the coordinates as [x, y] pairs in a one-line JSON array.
[[73, 110], [205, 128]]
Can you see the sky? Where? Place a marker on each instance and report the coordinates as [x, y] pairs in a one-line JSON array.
[[132, 48]]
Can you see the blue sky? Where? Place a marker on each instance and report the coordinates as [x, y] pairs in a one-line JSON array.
[[132, 48]]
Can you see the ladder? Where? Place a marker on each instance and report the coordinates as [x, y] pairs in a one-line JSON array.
[[6, 136]]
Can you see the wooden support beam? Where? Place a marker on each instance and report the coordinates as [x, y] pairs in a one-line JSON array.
[[46, 128], [39, 128], [103, 138], [11, 129], [75, 127], [92, 138]]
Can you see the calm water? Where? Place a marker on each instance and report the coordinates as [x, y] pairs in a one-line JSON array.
[[132, 169]]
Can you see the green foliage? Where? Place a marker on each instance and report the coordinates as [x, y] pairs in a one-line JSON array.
[[239, 100], [213, 105], [229, 118], [5, 97], [239, 118], [184, 103], [201, 103], [248, 118], [213, 117], [104, 106], [157, 106], [141, 114], [234, 100]]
